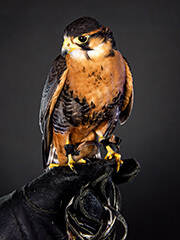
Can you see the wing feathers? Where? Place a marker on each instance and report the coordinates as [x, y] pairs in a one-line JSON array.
[[51, 91], [53, 79]]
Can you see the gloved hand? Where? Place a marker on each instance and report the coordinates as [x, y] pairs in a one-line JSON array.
[[37, 210]]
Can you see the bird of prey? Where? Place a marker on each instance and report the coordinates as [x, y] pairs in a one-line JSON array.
[[89, 89]]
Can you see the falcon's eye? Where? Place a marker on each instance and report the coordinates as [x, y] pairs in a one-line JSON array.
[[81, 39]]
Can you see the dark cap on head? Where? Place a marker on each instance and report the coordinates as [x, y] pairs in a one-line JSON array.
[[81, 25]]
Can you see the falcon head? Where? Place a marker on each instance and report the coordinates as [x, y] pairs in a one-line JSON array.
[[87, 38]]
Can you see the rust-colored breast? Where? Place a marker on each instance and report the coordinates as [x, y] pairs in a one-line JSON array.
[[98, 81]]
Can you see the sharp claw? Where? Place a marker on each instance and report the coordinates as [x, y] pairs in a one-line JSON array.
[[110, 154], [71, 163], [119, 162], [72, 167]]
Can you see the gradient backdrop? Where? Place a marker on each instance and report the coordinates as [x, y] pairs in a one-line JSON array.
[[147, 33]]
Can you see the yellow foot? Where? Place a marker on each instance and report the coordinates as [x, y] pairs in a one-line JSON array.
[[53, 165], [71, 162], [110, 154], [81, 160]]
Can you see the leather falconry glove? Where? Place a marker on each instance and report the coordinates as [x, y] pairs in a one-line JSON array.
[[49, 206]]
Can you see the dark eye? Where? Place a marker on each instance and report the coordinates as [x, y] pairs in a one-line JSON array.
[[83, 39]]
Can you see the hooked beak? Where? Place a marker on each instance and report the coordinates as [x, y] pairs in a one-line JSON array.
[[67, 47]]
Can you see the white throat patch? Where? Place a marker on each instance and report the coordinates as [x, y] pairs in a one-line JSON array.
[[78, 54], [98, 51]]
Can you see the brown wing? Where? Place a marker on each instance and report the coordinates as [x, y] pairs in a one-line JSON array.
[[51, 91], [128, 96]]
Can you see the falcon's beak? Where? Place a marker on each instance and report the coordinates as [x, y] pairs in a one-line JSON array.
[[67, 47]]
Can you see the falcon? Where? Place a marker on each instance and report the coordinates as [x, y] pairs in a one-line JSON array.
[[89, 90]]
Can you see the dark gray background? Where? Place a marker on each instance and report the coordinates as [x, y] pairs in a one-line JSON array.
[[147, 33]]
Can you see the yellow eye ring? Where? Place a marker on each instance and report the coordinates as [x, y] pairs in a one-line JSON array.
[[81, 39]]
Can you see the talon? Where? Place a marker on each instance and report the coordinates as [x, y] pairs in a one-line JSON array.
[[110, 154], [53, 165], [81, 160], [71, 162], [119, 162]]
